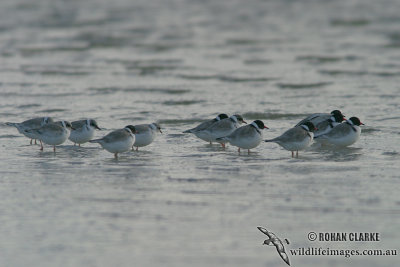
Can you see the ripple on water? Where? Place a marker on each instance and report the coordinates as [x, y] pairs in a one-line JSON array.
[[302, 85], [111, 90], [224, 78], [324, 59]]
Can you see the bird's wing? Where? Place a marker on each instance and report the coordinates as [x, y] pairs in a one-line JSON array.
[[265, 231], [339, 130], [314, 118], [115, 136], [142, 128], [78, 124], [296, 134]]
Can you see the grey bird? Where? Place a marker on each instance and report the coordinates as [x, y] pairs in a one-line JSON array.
[[344, 134], [145, 134], [223, 128], [297, 138], [52, 133], [246, 137], [118, 141], [30, 124], [83, 131], [199, 129], [273, 240]]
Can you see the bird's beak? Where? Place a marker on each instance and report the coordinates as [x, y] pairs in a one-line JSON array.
[[160, 130], [265, 127], [361, 123], [244, 122], [97, 127], [73, 128]]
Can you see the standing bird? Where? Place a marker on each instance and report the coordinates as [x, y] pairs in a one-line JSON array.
[[344, 134], [223, 128], [145, 134], [118, 141], [52, 133], [317, 118], [83, 131], [199, 130], [297, 138], [34, 123], [246, 137]]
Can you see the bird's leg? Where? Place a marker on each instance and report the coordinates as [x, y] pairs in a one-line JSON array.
[[137, 148], [248, 151], [74, 144], [292, 154], [116, 155], [79, 145], [239, 150], [31, 141], [133, 148], [297, 154], [54, 148], [223, 145], [35, 142], [210, 143]]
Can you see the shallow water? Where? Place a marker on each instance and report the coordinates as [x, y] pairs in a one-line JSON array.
[[179, 201]]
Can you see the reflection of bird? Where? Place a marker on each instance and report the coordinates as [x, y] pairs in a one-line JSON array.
[[275, 241]]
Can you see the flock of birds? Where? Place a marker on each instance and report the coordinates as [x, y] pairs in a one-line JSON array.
[[325, 128]]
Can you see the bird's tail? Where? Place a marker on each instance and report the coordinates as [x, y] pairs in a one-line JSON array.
[[13, 124], [188, 131]]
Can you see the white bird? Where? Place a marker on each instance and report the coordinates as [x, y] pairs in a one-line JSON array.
[[223, 128], [83, 131], [34, 123], [145, 134], [52, 134], [199, 130], [344, 134], [246, 137], [297, 138], [118, 141]]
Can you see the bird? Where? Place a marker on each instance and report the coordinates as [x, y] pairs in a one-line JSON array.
[[34, 123], [52, 133], [344, 134], [273, 240], [83, 131], [198, 131], [246, 137], [317, 118], [145, 134], [327, 125], [223, 128], [296, 138], [118, 141]]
